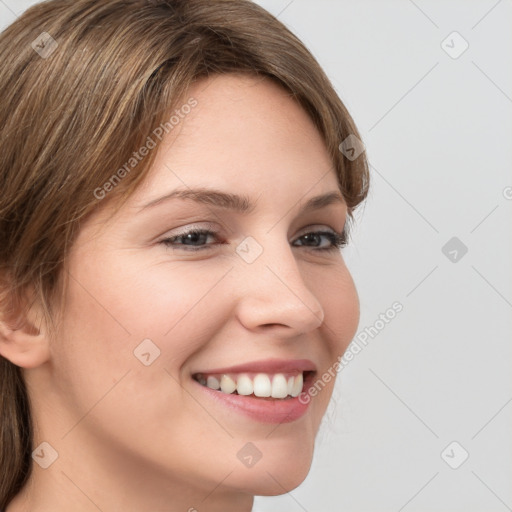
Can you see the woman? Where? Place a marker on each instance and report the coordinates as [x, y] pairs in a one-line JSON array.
[[177, 181]]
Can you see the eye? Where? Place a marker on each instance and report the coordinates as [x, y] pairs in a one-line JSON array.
[[195, 240], [335, 240]]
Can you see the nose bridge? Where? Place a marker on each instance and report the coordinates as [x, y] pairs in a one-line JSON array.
[[275, 291]]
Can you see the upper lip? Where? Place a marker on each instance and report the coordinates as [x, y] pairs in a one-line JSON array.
[[268, 366]]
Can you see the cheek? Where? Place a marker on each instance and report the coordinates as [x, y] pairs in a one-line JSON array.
[[335, 290], [340, 301], [176, 304], [127, 331], [130, 298], [114, 305]]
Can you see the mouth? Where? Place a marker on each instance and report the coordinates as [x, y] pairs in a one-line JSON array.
[[270, 386], [272, 391]]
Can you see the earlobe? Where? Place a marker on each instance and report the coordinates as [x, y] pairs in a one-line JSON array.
[[22, 342]]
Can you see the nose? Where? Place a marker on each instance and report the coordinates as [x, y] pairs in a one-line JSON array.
[[273, 292]]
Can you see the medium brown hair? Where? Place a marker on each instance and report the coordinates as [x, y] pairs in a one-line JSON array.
[[84, 83]]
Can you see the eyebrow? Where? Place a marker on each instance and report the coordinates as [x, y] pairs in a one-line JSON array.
[[238, 203]]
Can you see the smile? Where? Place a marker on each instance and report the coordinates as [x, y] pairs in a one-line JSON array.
[[267, 391], [263, 385]]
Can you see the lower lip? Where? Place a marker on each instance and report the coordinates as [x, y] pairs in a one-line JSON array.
[[265, 410]]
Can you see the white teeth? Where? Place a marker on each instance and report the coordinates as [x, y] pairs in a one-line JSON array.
[[279, 386], [262, 385], [244, 385], [227, 384], [291, 380], [212, 382], [297, 385]]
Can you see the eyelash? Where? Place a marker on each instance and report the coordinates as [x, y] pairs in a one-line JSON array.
[[338, 240]]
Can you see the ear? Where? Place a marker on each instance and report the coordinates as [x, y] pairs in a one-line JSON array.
[[23, 337]]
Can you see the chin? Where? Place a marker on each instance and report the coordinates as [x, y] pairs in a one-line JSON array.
[[280, 473]]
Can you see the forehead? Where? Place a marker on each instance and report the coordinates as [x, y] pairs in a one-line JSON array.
[[244, 132]]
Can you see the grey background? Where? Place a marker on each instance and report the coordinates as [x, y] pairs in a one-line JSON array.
[[438, 134]]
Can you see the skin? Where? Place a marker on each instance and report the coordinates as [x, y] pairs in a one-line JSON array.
[[132, 437]]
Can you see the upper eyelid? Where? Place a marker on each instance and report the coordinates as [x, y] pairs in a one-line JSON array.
[[211, 227]]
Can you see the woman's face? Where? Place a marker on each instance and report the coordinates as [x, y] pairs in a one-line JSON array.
[[143, 317]]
